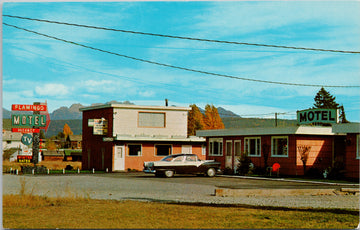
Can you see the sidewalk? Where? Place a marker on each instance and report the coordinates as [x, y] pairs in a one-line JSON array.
[[292, 180]]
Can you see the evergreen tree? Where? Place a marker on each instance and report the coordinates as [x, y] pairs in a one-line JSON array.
[[324, 100], [342, 115], [212, 118], [195, 120]]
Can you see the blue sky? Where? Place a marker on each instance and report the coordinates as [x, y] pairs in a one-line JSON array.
[[37, 68]]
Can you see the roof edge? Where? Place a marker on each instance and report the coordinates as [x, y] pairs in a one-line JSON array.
[[126, 106]]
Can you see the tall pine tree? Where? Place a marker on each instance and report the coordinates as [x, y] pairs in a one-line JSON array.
[[324, 100]]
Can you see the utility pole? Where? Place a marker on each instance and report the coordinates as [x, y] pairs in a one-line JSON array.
[[276, 118]]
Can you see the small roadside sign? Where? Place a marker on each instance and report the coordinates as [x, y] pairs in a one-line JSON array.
[[25, 130], [18, 107], [27, 139]]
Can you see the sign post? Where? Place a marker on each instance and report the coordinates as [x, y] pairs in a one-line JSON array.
[[36, 139]]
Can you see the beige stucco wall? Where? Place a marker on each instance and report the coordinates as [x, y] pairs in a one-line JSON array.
[[126, 123]]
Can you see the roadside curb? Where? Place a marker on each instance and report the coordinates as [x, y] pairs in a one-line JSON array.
[[273, 192], [289, 180]]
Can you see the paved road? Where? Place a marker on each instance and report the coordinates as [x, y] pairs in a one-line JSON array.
[[189, 189]]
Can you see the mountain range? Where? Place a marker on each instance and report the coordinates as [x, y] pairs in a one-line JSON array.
[[73, 117]]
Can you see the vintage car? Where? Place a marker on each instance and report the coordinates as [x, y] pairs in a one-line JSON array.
[[182, 164]]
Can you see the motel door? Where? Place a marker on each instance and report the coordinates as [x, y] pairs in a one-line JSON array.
[[228, 155], [119, 158]]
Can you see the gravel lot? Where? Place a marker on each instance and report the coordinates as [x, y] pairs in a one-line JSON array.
[[187, 189]]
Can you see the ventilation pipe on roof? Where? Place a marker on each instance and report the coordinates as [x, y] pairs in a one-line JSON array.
[[166, 102]]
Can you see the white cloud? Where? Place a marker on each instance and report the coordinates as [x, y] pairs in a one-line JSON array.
[[52, 89], [147, 93]]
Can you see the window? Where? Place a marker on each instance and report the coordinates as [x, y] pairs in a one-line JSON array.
[[153, 120], [237, 148], [186, 149], [252, 146], [162, 150], [203, 150], [228, 150], [279, 146], [215, 147], [134, 149], [191, 158]]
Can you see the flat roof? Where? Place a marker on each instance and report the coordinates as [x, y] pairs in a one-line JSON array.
[[300, 130], [127, 106], [347, 128]]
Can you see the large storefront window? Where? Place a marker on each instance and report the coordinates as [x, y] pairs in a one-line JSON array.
[[252, 146], [279, 146], [162, 150], [215, 147], [134, 149]]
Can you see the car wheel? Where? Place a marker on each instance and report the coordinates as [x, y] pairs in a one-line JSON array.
[[211, 172], [169, 173]]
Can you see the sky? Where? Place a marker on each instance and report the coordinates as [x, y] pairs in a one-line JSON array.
[[37, 68]]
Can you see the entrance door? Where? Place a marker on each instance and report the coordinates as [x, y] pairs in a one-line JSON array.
[[228, 155], [119, 158]]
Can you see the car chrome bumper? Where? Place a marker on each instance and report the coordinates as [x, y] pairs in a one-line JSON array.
[[149, 171]]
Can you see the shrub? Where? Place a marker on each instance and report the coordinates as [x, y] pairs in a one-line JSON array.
[[244, 164], [228, 171], [314, 173], [69, 167], [37, 169], [336, 172]]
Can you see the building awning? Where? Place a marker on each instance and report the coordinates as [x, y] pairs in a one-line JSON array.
[[300, 130], [159, 138]]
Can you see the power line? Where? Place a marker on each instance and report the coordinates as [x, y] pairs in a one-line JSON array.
[[178, 67], [182, 37]]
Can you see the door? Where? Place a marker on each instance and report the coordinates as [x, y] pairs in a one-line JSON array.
[[228, 155], [237, 154], [119, 158]]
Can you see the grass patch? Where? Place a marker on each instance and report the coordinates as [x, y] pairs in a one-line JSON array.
[[52, 165], [22, 211]]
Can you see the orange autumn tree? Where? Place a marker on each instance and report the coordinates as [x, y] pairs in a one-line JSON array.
[[212, 118], [195, 120], [67, 131]]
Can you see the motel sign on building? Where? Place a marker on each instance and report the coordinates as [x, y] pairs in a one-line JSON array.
[[318, 116]]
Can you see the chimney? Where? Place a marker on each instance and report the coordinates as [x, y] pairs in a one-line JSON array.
[[166, 102]]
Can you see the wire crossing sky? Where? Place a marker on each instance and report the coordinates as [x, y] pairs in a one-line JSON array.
[[183, 68], [247, 57], [182, 37]]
